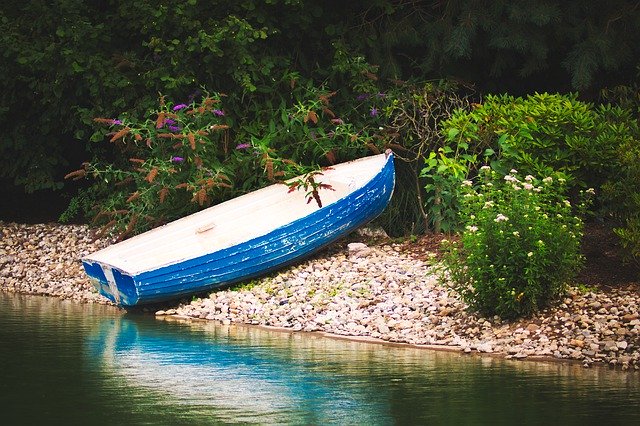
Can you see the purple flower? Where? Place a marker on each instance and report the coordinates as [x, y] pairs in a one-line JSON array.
[[243, 146], [362, 97], [116, 122], [373, 112], [177, 159], [382, 95], [179, 107], [218, 112], [169, 121], [175, 128], [337, 121]]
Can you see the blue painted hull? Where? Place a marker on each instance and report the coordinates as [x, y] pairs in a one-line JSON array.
[[255, 257]]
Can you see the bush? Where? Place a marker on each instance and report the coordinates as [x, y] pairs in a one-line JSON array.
[[622, 198], [520, 246], [182, 158], [542, 134], [170, 164]]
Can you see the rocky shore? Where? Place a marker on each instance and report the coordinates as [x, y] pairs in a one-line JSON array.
[[380, 290]]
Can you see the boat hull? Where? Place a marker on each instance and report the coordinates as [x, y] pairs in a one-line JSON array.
[[255, 257]]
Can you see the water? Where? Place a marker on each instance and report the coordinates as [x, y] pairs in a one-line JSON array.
[[61, 362]]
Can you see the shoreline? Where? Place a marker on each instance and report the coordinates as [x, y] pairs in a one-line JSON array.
[[380, 293]]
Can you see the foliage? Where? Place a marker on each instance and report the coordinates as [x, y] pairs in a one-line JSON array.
[[67, 61], [66, 64], [521, 244], [444, 172], [504, 45], [542, 134], [178, 160], [416, 112], [621, 195]]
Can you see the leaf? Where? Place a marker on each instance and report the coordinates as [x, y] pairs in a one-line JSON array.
[[312, 116], [453, 132]]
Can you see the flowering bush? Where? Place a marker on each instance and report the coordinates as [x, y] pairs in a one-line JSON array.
[[521, 244], [182, 158], [177, 161]]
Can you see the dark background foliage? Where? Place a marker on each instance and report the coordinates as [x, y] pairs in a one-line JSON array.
[[65, 62]]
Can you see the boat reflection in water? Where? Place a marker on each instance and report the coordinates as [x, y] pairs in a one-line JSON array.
[[202, 372], [232, 373]]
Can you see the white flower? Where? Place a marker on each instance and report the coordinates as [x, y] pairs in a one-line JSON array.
[[501, 218], [528, 186], [528, 178], [467, 183], [513, 171], [567, 203], [488, 204], [471, 228], [516, 234], [510, 178], [516, 187], [485, 168], [590, 191], [548, 179], [530, 254]]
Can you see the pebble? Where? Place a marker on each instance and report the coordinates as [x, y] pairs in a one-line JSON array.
[[379, 290]]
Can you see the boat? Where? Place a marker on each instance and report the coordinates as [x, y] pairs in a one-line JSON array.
[[243, 238]]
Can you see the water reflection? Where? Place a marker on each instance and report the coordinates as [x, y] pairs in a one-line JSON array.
[[251, 375], [240, 376], [68, 363]]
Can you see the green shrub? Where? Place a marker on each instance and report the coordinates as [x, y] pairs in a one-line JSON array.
[[542, 134], [521, 244], [621, 196]]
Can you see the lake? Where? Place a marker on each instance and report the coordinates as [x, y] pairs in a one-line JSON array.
[[64, 362]]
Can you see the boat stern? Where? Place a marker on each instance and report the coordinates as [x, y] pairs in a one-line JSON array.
[[113, 284]]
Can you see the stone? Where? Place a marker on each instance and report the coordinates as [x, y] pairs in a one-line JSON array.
[[532, 327], [630, 317], [577, 343]]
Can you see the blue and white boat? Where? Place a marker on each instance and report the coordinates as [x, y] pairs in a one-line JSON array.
[[242, 238]]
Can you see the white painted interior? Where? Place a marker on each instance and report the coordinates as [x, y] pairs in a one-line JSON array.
[[234, 221]]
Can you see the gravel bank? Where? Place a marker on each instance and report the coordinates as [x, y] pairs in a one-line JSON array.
[[380, 291]]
